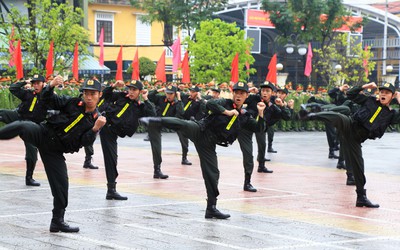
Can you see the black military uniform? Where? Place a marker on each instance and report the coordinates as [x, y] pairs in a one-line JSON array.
[[122, 115], [62, 133], [215, 129], [192, 109], [369, 122], [33, 109], [164, 108]]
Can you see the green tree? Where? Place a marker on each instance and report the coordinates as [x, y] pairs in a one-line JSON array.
[[146, 67], [47, 21], [349, 55], [179, 13], [309, 19], [214, 48]]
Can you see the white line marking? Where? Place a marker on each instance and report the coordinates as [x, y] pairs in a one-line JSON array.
[[353, 216], [99, 243]]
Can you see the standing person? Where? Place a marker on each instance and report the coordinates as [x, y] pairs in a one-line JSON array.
[[31, 108], [122, 120], [168, 105], [192, 110], [75, 126], [369, 122], [222, 127]]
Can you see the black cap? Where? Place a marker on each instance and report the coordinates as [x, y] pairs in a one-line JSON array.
[[135, 84], [38, 78], [388, 86], [267, 84], [195, 89], [240, 86], [216, 89], [284, 90], [91, 85], [170, 89]]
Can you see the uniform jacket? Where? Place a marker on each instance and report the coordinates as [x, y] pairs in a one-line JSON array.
[[227, 128], [372, 118], [32, 107], [71, 129], [272, 113], [164, 107], [123, 113], [192, 108]]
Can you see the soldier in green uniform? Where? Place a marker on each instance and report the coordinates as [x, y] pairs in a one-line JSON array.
[[221, 127], [75, 126], [370, 121], [122, 113], [31, 109]]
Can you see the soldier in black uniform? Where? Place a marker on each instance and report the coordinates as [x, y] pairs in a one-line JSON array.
[[31, 109], [122, 115], [369, 122], [192, 110], [75, 126], [168, 105], [222, 127]]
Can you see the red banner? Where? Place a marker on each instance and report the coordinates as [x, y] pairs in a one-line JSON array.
[[258, 18]]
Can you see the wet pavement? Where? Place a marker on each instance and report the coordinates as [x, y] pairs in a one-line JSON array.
[[304, 204]]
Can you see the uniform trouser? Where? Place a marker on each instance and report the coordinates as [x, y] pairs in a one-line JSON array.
[[350, 143], [184, 144], [156, 147], [8, 116], [53, 160], [109, 146], [330, 136], [205, 146], [271, 133], [89, 151], [245, 139], [261, 144]]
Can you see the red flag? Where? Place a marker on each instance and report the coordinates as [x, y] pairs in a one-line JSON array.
[[176, 54], [101, 43], [18, 61], [118, 76], [247, 64], [308, 68], [160, 69], [135, 67], [11, 49], [365, 61], [75, 63], [185, 68], [49, 62], [271, 76], [235, 69]]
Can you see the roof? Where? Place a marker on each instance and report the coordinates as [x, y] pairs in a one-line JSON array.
[[90, 65]]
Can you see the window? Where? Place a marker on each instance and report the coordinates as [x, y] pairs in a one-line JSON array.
[[143, 32], [106, 21]]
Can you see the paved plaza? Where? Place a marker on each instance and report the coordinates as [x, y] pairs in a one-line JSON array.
[[304, 204]]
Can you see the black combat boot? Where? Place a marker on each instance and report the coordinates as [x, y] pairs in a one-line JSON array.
[[247, 185], [88, 163], [185, 160], [362, 200], [341, 165], [350, 179], [271, 150], [150, 120], [158, 174], [213, 212], [30, 167], [263, 169], [58, 224], [112, 193], [332, 155]]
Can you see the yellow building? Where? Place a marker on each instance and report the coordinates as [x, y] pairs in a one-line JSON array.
[[122, 26]]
